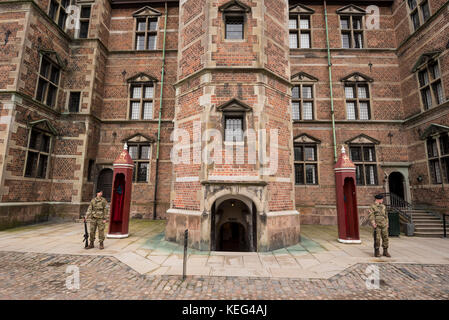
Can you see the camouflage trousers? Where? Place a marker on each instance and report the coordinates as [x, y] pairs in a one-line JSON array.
[[381, 232], [94, 223]]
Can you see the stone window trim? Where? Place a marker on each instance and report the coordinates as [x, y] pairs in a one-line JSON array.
[[437, 150], [298, 12], [351, 14], [149, 17], [304, 141], [357, 81], [57, 11], [143, 81], [45, 79], [40, 152], [430, 81], [238, 110], [234, 10], [419, 12], [302, 79]]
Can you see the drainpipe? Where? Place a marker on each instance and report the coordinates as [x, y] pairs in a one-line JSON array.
[[160, 116], [329, 65]]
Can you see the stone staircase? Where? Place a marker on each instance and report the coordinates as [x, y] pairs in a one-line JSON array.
[[428, 224]]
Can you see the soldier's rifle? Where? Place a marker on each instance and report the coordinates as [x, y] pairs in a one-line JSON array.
[[86, 234]]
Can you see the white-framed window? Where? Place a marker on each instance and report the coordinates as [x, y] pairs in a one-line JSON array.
[[141, 101], [351, 27], [364, 158], [419, 12], [300, 31], [357, 101], [146, 33], [303, 102], [306, 164], [85, 12], [140, 153], [430, 86], [58, 11], [38, 154], [438, 158], [48, 82]]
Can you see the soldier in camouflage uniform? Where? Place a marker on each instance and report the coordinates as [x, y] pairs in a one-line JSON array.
[[98, 217], [378, 218]]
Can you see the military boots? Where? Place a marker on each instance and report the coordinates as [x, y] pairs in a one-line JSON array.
[[377, 253], [91, 245], [101, 245], [386, 254]]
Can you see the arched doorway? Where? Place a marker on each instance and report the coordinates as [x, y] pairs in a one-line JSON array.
[[396, 184], [233, 226], [104, 183]]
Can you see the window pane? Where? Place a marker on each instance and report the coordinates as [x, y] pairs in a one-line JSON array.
[[84, 29], [148, 110], [358, 40], [311, 174], [35, 139], [145, 152], [141, 23], [364, 111], [309, 154], [305, 40], [293, 38], [151, 42], [149, 92], [298, 154], [344, 22], [74, 101], [140, 42], [434, 71], [41, 88], [51, 96], [350, 111], [423, 78], [307, 92], [42, 167], [31, 166], [61, 21], [137, 92], [54, 77], [295, 111], [425, 11], [426, 98], [307, 108], [444, 144], [132, 150], [295, 92], [359, 176], [346, 40], [355, 153], [293, 23], [152, 25], [85, 12], [415, 20], [53, 10], [304, 23], [445, 169], [438, 92], [356, 22], [299, 173], [142, 172], [349, 92], [135, 110], [435, 171], [362, 91], [45, 68], [432, 150], [371, 176], [411, 4], [234, 129], [65, 3], [234, 27], [369, 154], [45, 143]]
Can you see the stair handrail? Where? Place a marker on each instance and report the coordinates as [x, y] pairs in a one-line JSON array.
[[396, 203]]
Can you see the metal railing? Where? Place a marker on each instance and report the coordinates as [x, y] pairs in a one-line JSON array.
[[444, 225], [395, 203]]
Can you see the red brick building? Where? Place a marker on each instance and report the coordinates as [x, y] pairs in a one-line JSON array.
[[70, 97]]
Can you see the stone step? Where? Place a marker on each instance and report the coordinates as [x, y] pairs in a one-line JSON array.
[[429, 234], [427, 218], [430, 224], [428, 229]]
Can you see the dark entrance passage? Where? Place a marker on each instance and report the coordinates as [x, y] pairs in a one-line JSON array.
[[233, 226], [233, 237], [104, 183], [396, 184]]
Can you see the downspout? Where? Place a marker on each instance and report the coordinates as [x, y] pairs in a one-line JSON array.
[[156, 178], [329, 65]]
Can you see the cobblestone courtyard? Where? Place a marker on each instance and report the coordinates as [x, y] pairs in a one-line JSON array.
[[34, 263], [43, 276]]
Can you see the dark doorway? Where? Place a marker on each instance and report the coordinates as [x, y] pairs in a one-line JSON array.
[[352, 223], [233, 226], [104, 183], [233, 237], [396, 184]]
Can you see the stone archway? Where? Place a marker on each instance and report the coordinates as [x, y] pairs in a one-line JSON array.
[[233, 225]]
